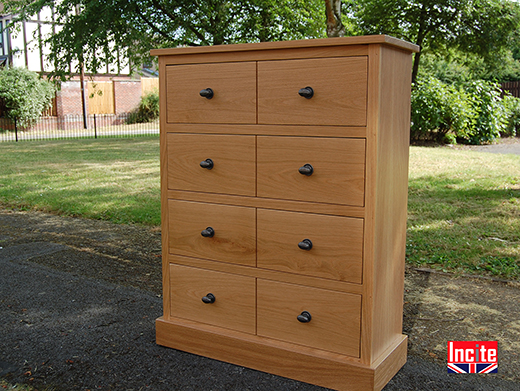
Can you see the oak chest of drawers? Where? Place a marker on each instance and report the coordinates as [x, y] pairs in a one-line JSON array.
[[284, 189]]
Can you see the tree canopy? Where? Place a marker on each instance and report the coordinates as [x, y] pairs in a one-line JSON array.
[[90, 32], [481, 33], [484, 28]]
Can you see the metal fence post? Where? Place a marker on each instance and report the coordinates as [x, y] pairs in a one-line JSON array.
[[71, 126]]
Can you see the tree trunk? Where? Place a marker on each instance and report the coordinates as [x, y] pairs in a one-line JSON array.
[[334, 26], [415, 69], [421, 35], [265, 19]]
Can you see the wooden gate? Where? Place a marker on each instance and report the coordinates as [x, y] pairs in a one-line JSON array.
[[101, 97], [512, 86]]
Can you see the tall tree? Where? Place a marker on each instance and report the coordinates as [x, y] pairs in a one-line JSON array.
[[94, 35], [335, 27], [482, 27]]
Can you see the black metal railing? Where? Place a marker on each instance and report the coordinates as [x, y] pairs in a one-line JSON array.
[[513, 87], [73, 126]]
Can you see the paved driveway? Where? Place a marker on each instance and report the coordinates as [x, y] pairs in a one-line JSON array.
[[78, 300], [505, 146]]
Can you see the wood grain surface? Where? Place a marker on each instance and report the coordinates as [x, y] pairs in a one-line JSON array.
[[235, 298], [235, 232], [335, 322], [234, 86], [337, 244], [337, 100], [315, 366], [339, 169], [267, 274], [386, 222], [259, 131], [234, 169]]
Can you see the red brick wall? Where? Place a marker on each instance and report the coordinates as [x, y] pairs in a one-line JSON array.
[[127, 95], [68, 99]]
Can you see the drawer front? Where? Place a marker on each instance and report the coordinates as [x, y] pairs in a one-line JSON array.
[[335, 323], [234, 93], [332, 245], [338, 165], [234, 232], [231, 167], [339, 86], [229, 299]]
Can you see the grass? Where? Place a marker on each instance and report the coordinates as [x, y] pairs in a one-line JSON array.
[[4, 385], [464, 211], [464, 206], [109, 179]]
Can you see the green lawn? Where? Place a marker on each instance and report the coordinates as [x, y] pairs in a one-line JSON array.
[[464, 211], [109, 179], [464, 206]]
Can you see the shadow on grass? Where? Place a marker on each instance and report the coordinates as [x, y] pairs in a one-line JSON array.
[[464, 226]]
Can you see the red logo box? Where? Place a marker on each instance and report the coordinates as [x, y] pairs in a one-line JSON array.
[[472, 356]]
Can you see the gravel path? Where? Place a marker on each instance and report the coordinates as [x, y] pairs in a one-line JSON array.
[[503, 146], [78, 300]]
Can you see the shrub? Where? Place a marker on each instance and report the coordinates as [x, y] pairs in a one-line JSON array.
[[439, 111], [471, 112], [24, 94], [147, 111], [489, 114], [512, 106]]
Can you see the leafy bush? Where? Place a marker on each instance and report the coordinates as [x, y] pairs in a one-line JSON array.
[[512, 106], [490, 115], [471, 112], [439, 111], [147, 111], [24, 94]]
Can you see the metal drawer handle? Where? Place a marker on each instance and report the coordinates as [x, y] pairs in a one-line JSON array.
[[209, 298], [208, 232], [208, 164], [306, 169], [306, 92], [304, 317], [305, 244], [206, 93]]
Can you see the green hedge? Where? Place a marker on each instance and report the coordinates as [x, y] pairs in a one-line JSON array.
[[147, 111], [472, 112], [24, 95]]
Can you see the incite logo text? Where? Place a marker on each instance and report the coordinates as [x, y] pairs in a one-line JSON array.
[[472, 356]]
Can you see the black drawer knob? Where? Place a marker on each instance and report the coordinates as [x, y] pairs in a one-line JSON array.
[[306, 92], [305, 244], [207, 164], [208, 232], [306, 169], [206, 93], [209, 298], [304, 317]]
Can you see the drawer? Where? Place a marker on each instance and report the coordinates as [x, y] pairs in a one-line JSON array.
[[339, 85], [231, 169], [234, 232], [336, 250], [335, 322], [338, 165], [234, 298], [234, 93]]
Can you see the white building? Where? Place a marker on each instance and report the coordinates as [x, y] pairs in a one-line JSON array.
[[23, 45]]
